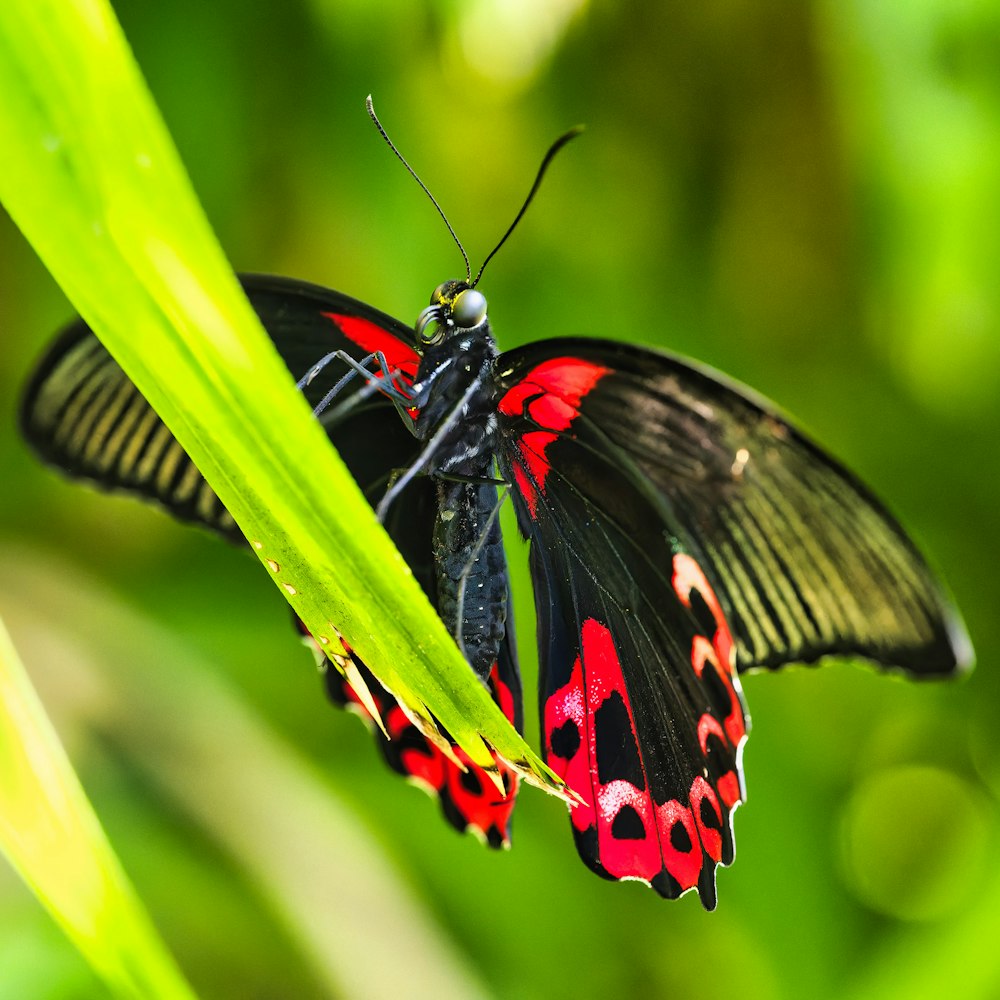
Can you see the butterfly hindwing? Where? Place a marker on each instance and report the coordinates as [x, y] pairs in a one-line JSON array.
[[641, 709], [661, 505], [469, 799]]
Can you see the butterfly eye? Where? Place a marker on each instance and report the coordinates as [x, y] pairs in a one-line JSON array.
[[469, 308]]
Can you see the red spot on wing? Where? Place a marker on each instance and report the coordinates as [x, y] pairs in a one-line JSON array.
[[418, 759], [502, 694], [550, 396], [472, 792], [708, 725], [371, 337], [702, 795], [552, 391], [633, 857], [565, 718], [527, 490], [572, 752], [702, 652], [683, 864], [717, 654], [533, 468], [688, 576], [730, 789], [512, 402], [477, 799], [532, 447], [468, 796]]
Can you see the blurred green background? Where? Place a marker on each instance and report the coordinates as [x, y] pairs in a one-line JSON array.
[[805, 195]]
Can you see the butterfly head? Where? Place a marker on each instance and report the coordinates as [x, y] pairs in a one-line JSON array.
[[456, 307]]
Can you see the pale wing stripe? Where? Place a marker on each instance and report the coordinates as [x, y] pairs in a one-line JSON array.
[[150, 460], [820, 624], [137, 442], [189, 481], [167, 468], [84, 410], [107, 417], [750, 606], [62, 391], [814, 572]]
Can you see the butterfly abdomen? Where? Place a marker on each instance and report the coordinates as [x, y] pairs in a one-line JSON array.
[[471, 570]]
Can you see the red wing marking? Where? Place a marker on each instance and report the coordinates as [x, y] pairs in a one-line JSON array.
[[550, 396], [552, 391], [688, 576], [473, 794], [718, 655], [682, 854], [567, 741], [477, 800], [710, 835], [534, 467], [371, 337], [469, 798], [532, 447], [592, 744], [526, 489]]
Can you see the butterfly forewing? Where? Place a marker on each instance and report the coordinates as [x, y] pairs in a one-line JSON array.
[[805, 561], [84, 415]]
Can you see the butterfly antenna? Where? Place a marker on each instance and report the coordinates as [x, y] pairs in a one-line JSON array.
[[553, 149], [413, 174]]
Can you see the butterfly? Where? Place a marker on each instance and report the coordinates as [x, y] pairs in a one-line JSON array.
[[681, 532]]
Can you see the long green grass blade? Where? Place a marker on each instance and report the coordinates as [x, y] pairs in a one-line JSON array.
[[52, 837], [321, 869], [91, 177]]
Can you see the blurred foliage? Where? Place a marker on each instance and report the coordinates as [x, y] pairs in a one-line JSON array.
[[49, 833], [802, 194]]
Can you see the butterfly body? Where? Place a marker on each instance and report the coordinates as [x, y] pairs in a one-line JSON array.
[[472, 590], [453, 395], [680, 532]]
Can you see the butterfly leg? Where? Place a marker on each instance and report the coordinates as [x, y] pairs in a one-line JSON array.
[[310, 375], [385, 383], [424, 458], [453, 477]]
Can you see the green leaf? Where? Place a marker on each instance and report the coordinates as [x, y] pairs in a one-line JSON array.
[[52, 837], [214, 765], [92, 179]]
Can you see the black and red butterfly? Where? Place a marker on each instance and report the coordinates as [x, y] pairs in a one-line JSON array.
[[681, 532]]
